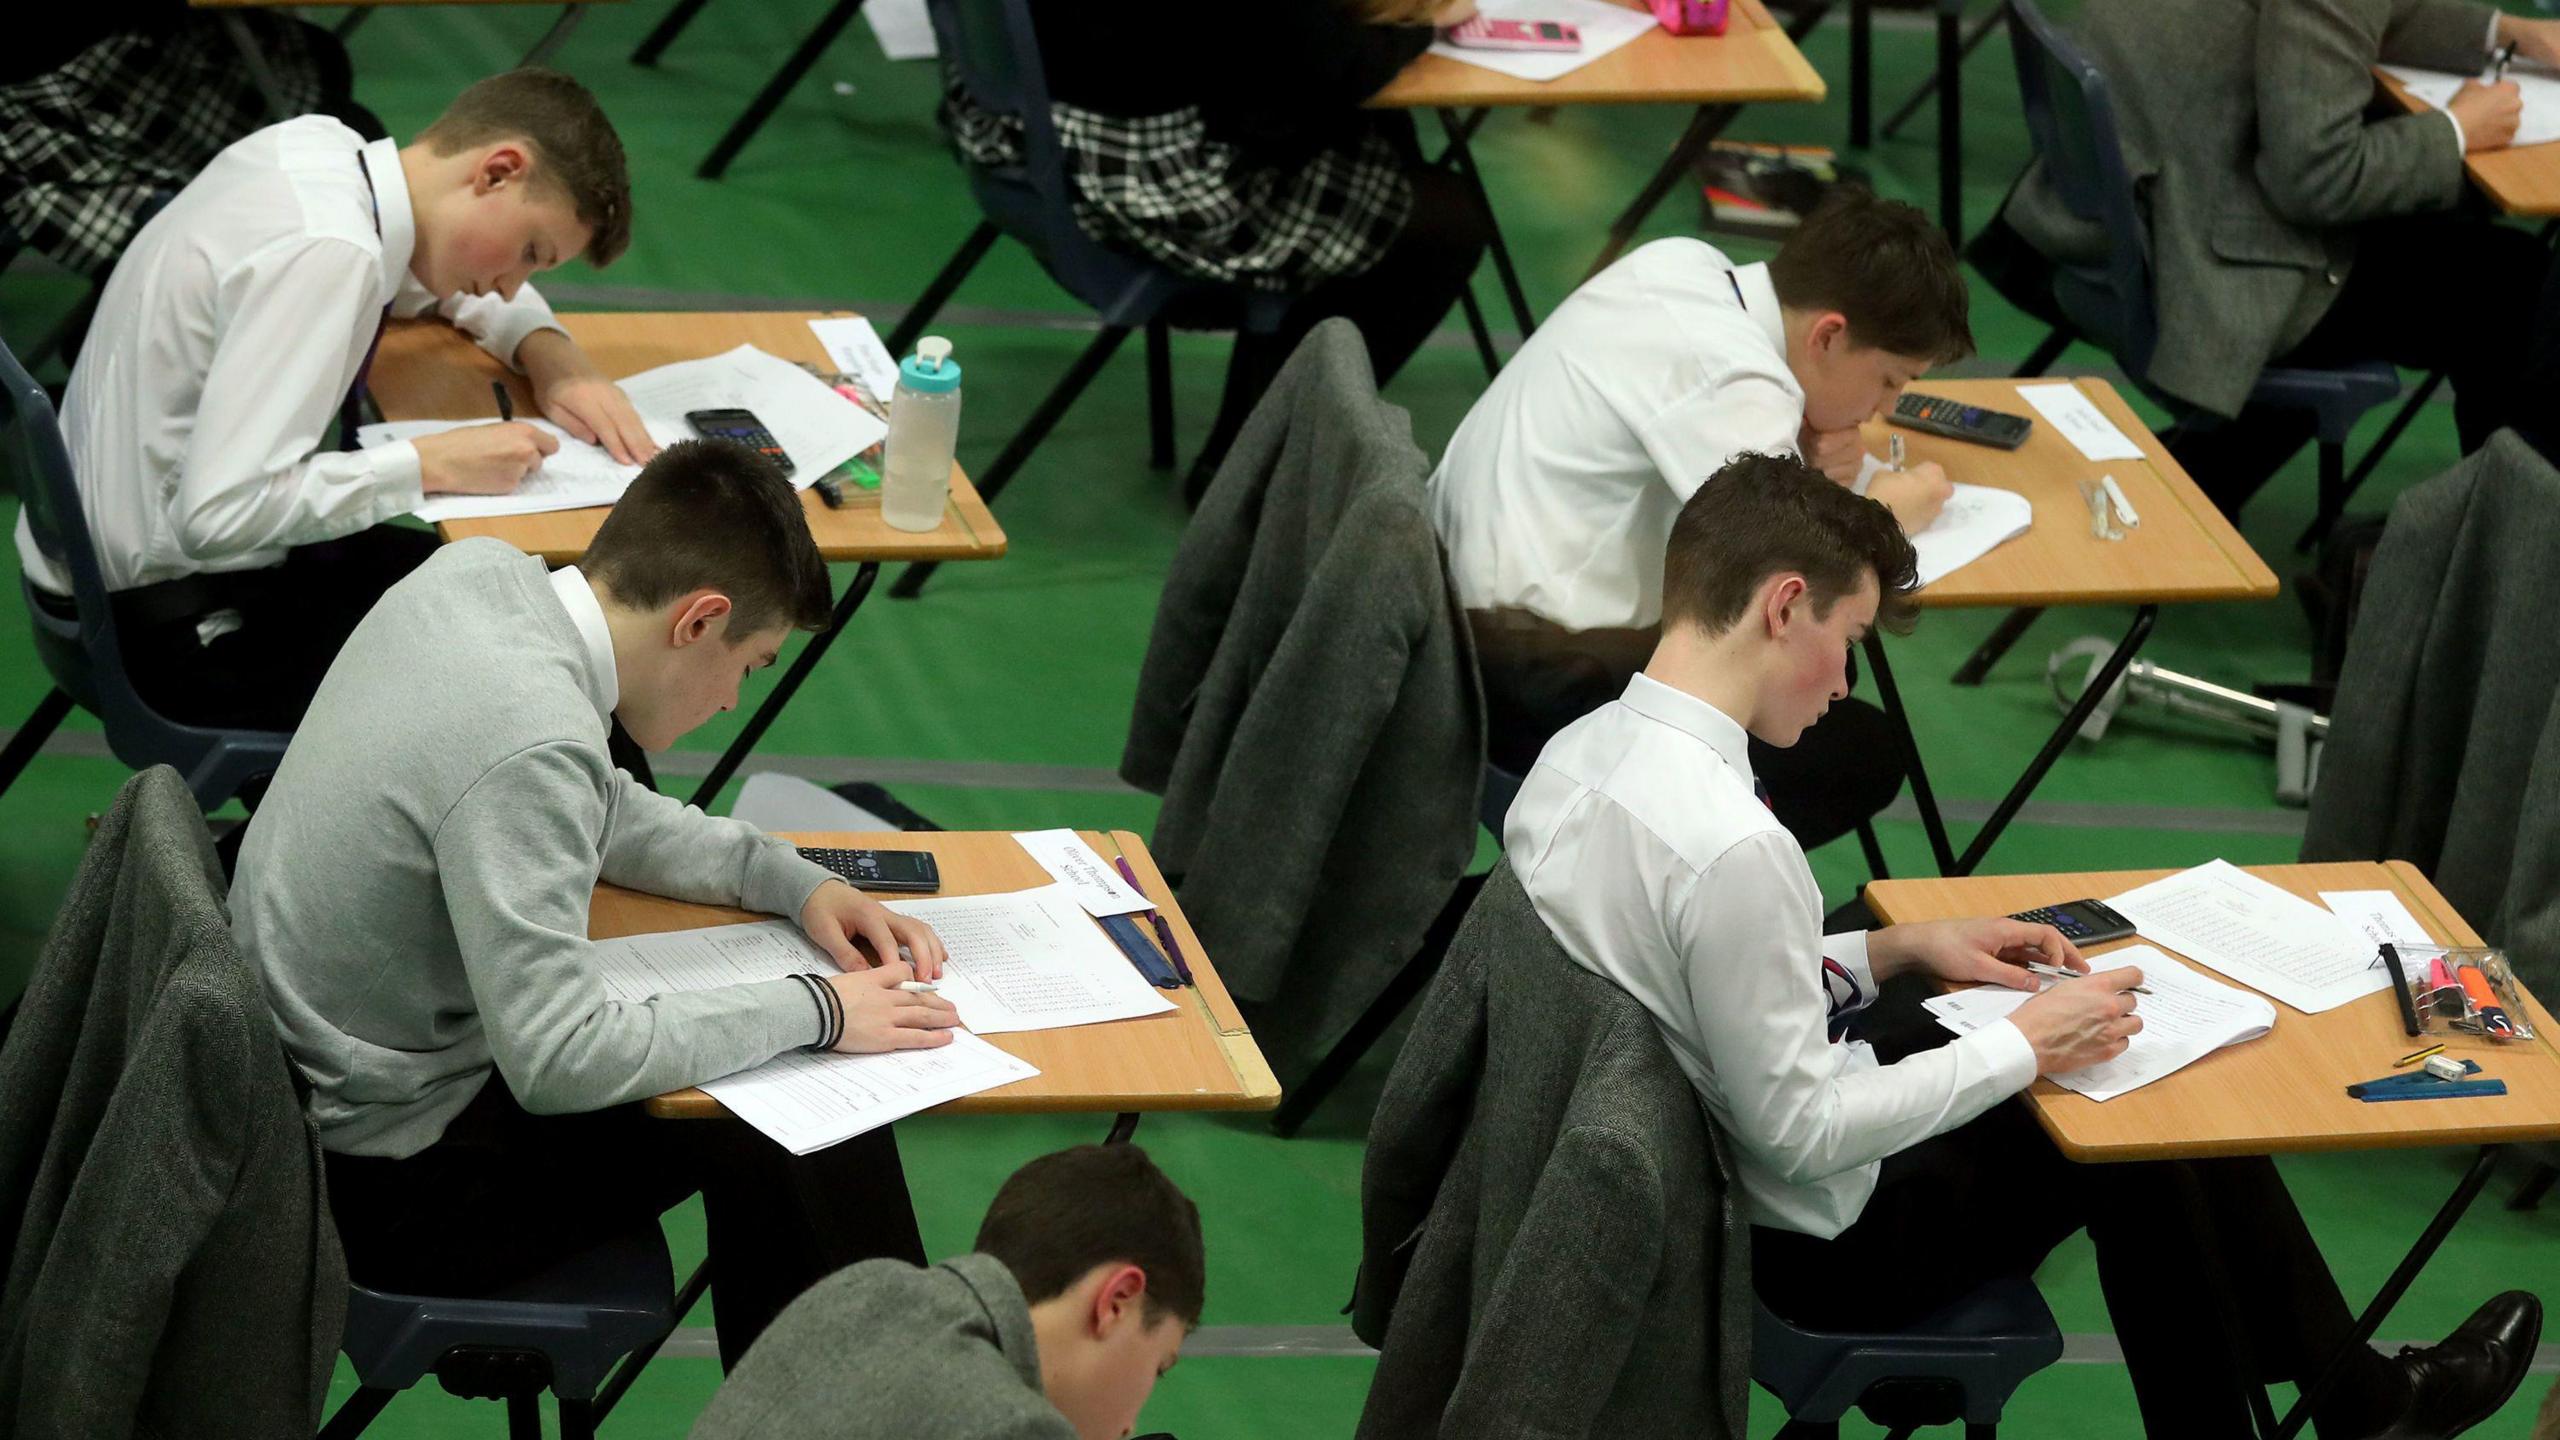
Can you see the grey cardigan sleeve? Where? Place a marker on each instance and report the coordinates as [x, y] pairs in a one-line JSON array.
[[2437, 34], [661, 845], [517, 858], [2321, 164]]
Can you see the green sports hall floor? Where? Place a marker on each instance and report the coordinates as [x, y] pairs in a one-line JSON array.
[[1000, 699]]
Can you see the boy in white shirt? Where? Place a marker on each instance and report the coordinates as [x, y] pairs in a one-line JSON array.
[[237, 550], [1880, 1193], [1558, 490]]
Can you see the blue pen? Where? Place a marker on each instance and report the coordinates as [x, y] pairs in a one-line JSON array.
[[1164, 932]]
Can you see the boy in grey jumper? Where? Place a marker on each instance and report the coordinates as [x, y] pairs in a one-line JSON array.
[[1087, 1279], [414, 894]]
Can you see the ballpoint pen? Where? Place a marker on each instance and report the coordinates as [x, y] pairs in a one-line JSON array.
[[1164, 932], [2056, 972], [506, 402], [2498, 66]]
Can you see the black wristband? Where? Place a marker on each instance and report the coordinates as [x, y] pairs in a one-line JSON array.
[[830, 1011]]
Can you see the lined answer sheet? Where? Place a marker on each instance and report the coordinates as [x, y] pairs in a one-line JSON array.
[[2220, 915], [2185, 1018], [1031, 960], [808, 1102], [636, 967]]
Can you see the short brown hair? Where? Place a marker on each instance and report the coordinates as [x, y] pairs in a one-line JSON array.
[[574, 147], [1764, 515], [1063, 1214], [1885, 266], [713, 514]]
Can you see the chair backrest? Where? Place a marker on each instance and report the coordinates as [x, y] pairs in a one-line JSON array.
[[995, 49], [2071, 122]]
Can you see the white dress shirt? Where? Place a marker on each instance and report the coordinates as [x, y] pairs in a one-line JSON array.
[[1557, 494], [1642, 842], [586, 612], [224, 344]]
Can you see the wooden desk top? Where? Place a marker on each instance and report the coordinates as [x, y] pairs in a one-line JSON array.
[[1752, 60], [1198, 1056], [2285, 1091], [2184, 550], [427, 370], [2520, 181]]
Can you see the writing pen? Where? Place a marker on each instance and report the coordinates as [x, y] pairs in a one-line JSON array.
[[1164, 932], [2498, 67], [2056, 972], [506, 402], [919, 987], [1893, 452]]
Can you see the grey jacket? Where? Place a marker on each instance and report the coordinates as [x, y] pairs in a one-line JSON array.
[[885, 1349], [2244, 127], [171, 1268], [1549, 1242], [1308, 707], [2444, 747]]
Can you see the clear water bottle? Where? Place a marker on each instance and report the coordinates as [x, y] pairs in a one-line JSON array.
[[924, 430]]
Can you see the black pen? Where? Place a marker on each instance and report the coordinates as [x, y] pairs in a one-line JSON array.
[[830, 494], [2498, 67], [506, 402]]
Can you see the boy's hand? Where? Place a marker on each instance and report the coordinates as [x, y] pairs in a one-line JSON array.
[[575, 396], [2079, 1023], [2537, 40], [2488, 114], [843, 920], [1915, 495], [481, 459], [1839, 454], [879, 1016], [1992, 950]]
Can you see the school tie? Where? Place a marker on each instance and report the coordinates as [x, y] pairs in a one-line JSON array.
[[350, 410]]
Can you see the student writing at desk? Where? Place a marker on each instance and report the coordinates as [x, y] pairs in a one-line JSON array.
[[1877, 1192], [240, 551], [420, 923]]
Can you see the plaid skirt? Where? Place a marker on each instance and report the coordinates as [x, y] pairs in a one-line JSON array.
[[1161, 187], [89, 151]]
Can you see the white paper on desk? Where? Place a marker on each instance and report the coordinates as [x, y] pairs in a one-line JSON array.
[[2081, 422], [2220, 915], [818, 428], [2539, 87], [808, 1102], [855, 347], [1604, 28], [1093, 881], [1031, 960], [904, 31], [1976, 520], [575, 476], [2378, 915], [2185, 1018]]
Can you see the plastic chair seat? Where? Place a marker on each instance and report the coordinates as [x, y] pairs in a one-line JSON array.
[[582, 1314], [1983, 1346], [2337, 399], [1123, 290]]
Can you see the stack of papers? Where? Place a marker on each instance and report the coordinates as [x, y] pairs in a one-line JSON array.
[[1031, 960], [1977, 520], [2268, 938], [1605, 27], [2185, 1018], [2539, 86], [815, 426]]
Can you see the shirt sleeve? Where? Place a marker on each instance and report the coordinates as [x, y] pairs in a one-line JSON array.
[[254, 477], [1693, 437], [1755, 970], [496, 325]]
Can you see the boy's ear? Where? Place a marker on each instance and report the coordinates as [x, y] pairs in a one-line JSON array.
[[1121, 1298], [1830, 331], [505, 162], [699, 616]]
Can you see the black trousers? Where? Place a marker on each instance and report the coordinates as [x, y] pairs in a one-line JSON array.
[[506, 1193], [1397, 303], [1538, 680], [2211, 1278], [2434, 292]]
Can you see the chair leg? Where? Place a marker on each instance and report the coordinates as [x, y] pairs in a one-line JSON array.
[[2333, 494], [1981, 1432], [524, 1417], [2045, 354], [1809, 1430], [39, 727], [1308, 1094], [1025, 440], [356, 1413], [2537, 1183], [577, 1420], [1483, 333], [1159, 395], [936, 295], [1873, 849]]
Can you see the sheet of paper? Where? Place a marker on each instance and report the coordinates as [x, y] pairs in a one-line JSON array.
[[1977, 520], [2222, 916], [808, 1102], [1604, 27], [856, 348], [1094, 881], [818, 428], [2538, 86], [576, 475], [904, 31], [2069, 411], [2185, 1018], [2377, 915], [1031, 960]]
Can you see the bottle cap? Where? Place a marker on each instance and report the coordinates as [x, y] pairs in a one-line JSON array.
[[931, 369]]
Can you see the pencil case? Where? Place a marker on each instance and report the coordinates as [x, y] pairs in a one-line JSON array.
[[1690, 17], [2471, 989]]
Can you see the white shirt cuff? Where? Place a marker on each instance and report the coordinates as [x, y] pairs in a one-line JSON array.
[[2461, 142], [2489, 42], [1849, 947], [2003, 1050], [403, 477]]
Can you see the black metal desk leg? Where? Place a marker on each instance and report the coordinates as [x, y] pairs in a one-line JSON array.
[[1862, 79], [1704, 127], [1123, 1125], [1951, 125], [775, 90], [1921, 795], [666, 32], [911, 325], [2392, 1289], [810, 654], [261, 73], [1995, 645], [1463, 161], [2099, 685], [549, 45]]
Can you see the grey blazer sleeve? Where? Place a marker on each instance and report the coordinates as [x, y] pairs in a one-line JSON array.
[[2322, 165], [2437, 34]]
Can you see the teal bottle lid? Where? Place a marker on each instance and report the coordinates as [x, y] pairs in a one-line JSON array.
[[931, 369]]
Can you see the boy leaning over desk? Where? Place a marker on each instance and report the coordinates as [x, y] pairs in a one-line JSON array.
[[1881, 1192], [420, 927], [238, 549]]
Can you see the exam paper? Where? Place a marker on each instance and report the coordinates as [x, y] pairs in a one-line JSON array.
[[577, 475], [2185, 1018], [903, 29], [1604, 28], [1031, 960], [2066, 409], [857, 350], [2222, 916], [2379, 916], [1094, 882], [1977, 520], [2539, 87]]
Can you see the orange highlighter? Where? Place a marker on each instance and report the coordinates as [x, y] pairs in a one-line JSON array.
[[2484, 1002]]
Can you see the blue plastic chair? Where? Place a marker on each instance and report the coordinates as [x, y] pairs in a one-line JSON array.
[[560, 1331], [77, 641], [1959, 1365], [995, 49]]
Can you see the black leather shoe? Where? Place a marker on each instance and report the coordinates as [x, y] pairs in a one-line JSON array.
[[2463, 1381]]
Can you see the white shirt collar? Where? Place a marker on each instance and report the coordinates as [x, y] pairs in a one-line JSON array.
[[1690, 715], [399, 223], [1760, 297], [604, 682]]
